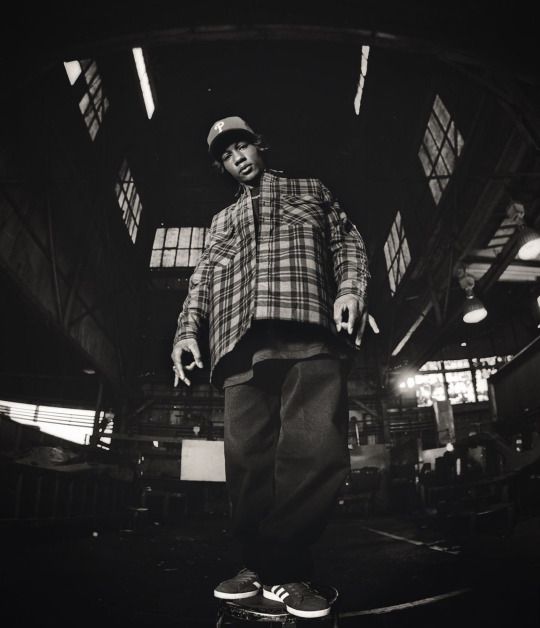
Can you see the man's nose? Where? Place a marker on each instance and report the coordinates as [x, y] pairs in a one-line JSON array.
[[238, 156]]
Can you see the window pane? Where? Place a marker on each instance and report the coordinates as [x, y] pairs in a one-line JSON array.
[[441, 111], [182, 258], [73, 69], [159, 238], [425, 160], [185, 238], [168, 257], [460, 387], [155, 259], [436, 130], [194, 257], [197, 238], [435, 190], [171, 239]]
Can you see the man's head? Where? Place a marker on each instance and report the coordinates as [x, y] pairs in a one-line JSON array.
[[236, 148]]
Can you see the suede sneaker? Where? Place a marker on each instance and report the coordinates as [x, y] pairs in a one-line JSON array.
[[299, 599], [244, 584]]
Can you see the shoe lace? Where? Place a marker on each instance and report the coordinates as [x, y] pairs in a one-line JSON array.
[[244, 575], [299, 588]]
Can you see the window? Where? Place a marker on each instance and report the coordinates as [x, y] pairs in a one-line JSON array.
[[73, 424], [144, 81], [464, 381], [93, 103], [178, 246], [396, 253], [362, 79], [129, 201], [441, 146]]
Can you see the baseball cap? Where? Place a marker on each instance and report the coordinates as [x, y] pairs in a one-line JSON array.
[[223, 132]]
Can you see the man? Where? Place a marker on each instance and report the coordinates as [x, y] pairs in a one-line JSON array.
[[282, 277]]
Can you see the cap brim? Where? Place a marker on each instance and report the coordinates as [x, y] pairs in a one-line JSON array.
[[226, 138]]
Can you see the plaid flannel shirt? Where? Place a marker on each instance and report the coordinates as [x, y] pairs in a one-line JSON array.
[[303, 259]]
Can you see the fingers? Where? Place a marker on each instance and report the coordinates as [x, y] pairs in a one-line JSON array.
[[185, 346], [353, 315], [350, 305], [195, 351], [361, 328], [179, 375], [339, 310]]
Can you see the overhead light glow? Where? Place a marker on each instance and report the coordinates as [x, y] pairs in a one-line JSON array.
[[529, 244], [143, 80], [474, 310], [362, 79]]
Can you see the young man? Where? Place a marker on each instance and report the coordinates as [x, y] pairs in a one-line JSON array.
[[281, 286]]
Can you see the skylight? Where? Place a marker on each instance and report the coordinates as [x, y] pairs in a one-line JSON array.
[[72, 424], [396, 253], [144, 81], [361, 79], [129, 201], [441, 146], [178, 246], [74, 70], [93, 103]]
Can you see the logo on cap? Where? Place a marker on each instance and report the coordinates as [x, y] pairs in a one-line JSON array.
[[218, 126]]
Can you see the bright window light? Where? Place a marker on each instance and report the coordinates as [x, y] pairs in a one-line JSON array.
[[179, 247], [93, 103], [74, 70], [441, 146], [128, 200], [71, 424], [396, 253], [462, 381], [362, 79], [144, 82]]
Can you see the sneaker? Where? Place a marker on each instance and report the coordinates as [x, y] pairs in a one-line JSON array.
[[244, 584], [299, 599]]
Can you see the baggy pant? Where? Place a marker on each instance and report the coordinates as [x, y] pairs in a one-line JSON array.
[[286, 457]]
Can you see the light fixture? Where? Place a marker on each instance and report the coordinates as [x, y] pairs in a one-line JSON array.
[[473, 309], [529, 244], [529, 239]]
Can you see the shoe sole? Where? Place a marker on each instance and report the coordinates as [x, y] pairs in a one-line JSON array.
[[294, 611], [235, 596]]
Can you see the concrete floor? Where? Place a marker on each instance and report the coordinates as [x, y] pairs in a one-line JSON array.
[[163, 575]]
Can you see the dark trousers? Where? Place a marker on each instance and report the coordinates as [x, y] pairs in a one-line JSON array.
[[286, 458]]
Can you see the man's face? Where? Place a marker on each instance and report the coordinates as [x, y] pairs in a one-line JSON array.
[[243, 161]]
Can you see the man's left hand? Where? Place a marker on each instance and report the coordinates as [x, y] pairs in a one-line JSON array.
[[347, 310]]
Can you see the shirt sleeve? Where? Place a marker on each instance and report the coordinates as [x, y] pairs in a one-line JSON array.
[[195, 308], [349, 258]]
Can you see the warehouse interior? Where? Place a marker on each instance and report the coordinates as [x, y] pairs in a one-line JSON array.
[[424, 121]]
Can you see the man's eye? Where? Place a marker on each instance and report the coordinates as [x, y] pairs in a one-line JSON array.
[[225, 156], [242, 146]]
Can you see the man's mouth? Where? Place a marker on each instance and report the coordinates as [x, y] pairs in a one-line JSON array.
[[245, 169]]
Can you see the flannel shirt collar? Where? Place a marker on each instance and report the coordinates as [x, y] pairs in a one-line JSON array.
[[267, 173]]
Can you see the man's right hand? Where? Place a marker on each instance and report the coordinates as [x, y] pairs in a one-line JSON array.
[[189, 345]]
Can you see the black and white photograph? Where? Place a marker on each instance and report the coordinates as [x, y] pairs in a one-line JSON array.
[[270, 334]]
